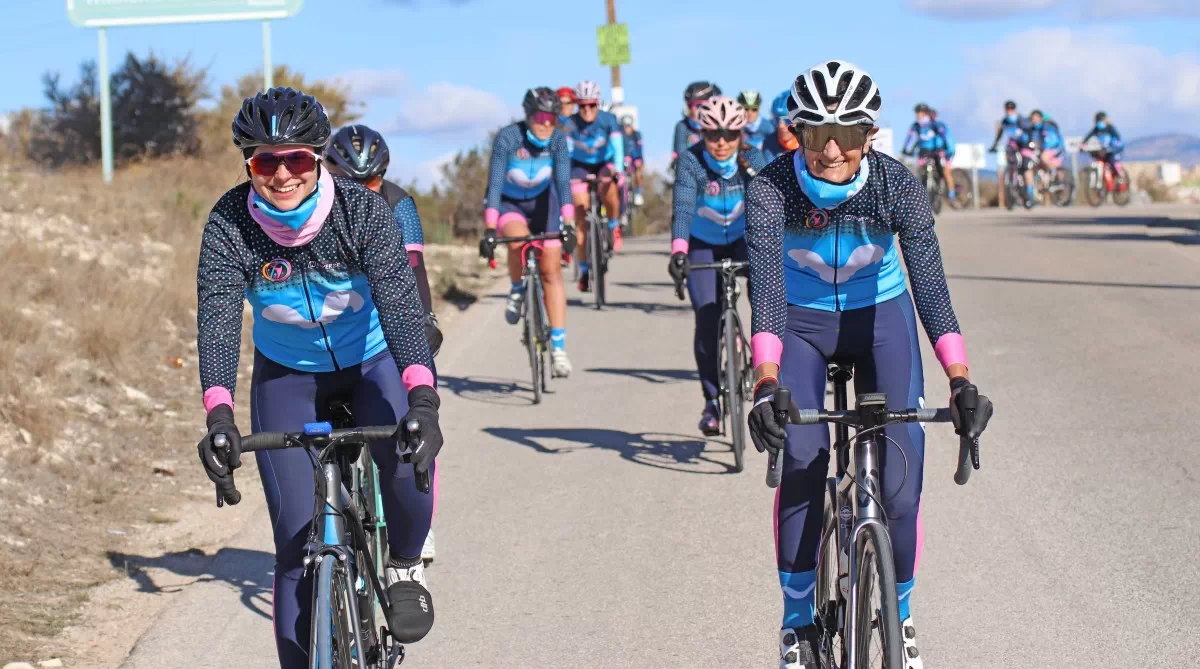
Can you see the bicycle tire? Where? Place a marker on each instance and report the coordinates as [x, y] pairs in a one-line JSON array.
[[370, 607], [734, 403], [828, 603], [532, 336], [1066, 184], [1093, 192], [962, 191], [1121, 196], [596, 260], [328, 647], [1010, 190], [876, 581]]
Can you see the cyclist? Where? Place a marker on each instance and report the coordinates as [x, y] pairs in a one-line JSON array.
[[826, 285], [757, 127], [530, 169], [634, 157], [566, 97], [928, 138], [1047, 137], [947, 147], [360, 153], [598, 150], [1015, 131], [322, 263], [709, 225], [687, 130], [1110, 139], [782, 140]]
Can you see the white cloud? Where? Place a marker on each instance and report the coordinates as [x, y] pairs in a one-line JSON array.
[[367, 84], [1143, 89], [448, 109], [979, 9], [426, 173], [1078, 9]]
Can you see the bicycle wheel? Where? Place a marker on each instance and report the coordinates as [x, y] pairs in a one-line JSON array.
[[876, 611], [732, 386], [1010, 190], [1093, 190], [962, 189], [331, 642], [533, 335], [1063, 187], [596, 260], [1121, 194], [828, 601]]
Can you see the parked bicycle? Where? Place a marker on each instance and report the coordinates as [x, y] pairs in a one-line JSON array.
[[733, 355], [929, 171], [1100, 179], [350, 603], [856, 608], [535, 327]]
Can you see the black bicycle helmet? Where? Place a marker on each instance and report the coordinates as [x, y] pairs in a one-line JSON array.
[[1100, 116], [699, 91], [541, 99], [1009, 104], [281, 116], [358, 152], [921, 108]]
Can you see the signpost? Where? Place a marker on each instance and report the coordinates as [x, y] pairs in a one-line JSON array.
[[104, 14], [974, 158], [612, 40]]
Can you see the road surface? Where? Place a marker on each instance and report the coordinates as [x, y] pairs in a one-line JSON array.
[[600, 530]]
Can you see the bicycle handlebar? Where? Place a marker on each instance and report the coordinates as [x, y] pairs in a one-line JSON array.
[[724, 265], [561, 235]]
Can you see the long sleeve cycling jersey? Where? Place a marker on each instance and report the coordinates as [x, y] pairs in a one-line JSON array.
[[1013, 129], [1047, 136], [522, 170], [923, 137], [687, 135], [633, 144], [843, 258], [335, 302], [1109, 137], [598, 142], [945, 139], [404, 208], [757, 131], [706, 205]]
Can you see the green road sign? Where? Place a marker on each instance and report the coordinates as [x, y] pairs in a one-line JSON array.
[[110, 13], [613, 41]]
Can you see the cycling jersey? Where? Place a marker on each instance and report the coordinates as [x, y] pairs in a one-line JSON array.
[[757, 131], [633, 144], [945, 142], [1013, 128], [923, 137], [598, 142], [404, 209], [522, 170], [1109, 138], [1047, 136], [687, 135], [334, 302], [843, 258], [707, 205]]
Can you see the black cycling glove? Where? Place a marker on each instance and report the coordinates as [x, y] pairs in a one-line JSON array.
[[765, 430], [969, 410], [423, 403], [487, 245], [219, 463], [678, 266]]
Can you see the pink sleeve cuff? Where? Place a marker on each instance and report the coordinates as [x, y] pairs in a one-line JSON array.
[[417, 375], [490, 216], [217, 395], [568, 212], [679, 246], [765, 347], [951, 349]]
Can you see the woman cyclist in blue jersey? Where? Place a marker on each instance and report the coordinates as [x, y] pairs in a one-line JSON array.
[[780, 140], [757, 127], [826, 285], [709, 225], [361, 153], [529, 177], [598, 148], [337, 313]]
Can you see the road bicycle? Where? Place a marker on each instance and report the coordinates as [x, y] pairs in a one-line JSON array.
[[856, 609], [929, 171], [599, 244], [1100, 178], [733, 355]]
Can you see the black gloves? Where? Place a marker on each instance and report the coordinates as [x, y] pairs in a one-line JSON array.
[[423, 406], [219, 463], [969, 410], [765, 431]]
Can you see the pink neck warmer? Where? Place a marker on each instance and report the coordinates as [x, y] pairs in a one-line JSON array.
[[285, 236]]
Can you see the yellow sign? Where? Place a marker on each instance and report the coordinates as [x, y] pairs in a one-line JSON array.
[[613, 43]]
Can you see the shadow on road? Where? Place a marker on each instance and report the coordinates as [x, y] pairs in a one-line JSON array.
[[643, 252], [673, 452], [1184, 238], [644, 307], [1068, 282], [249, 571], [651, 375], [645, 285], [488, 389]]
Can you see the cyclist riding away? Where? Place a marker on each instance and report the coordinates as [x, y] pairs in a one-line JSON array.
[[530, 170], [826, 285], [782, 140], [1047, 137], [928, 137], [599, 148], [1110, 139], [337, 313], [1015, 132], [757, 127], [709, 226], [687, 130], [360, 153], [634, 157]]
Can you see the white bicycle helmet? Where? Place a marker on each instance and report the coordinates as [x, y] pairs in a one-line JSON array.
[[721, 113], [587, 91], [835, 92]]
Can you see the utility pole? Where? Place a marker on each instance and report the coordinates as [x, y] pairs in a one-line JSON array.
[[618, 94]]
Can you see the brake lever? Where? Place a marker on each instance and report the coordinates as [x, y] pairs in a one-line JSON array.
[[412, 431]]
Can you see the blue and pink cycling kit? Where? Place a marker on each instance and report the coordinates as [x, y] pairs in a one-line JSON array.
[[827, 286], [527, 180]]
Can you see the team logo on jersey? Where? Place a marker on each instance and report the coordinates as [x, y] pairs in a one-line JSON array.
[[713, 189], [277, 270], [817, 219], [692, 139], [523, 153]]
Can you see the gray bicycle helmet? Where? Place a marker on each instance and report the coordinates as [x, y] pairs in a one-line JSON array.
[[541, 99], [281, 116], [358, 152]]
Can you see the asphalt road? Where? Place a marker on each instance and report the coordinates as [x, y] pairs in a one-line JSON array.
[[600, 530]]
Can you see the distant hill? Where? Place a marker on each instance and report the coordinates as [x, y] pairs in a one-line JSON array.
[[1177, 147]]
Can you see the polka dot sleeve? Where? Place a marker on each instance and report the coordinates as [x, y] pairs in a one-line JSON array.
[[765, 215], [689, 175], [220, 288], [507, 141], [561, 157]]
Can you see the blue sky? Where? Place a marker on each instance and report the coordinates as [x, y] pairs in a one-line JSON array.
[[437, 75]]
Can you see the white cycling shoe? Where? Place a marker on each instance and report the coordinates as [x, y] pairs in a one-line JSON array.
[[427, 551], [797, 648], [638, 200], [560, 364], [912, 658]]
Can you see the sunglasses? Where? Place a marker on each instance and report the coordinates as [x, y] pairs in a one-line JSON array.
[[297, 162], [543, 118], [848, 137], [718, 135]]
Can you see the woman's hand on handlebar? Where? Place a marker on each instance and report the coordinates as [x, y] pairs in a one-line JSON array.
[[220, 453]]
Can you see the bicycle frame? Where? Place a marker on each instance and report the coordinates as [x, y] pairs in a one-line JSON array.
[[730, 293]]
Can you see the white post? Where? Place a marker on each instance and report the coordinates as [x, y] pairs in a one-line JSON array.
[[975, 186], [106, 137], [268, 69]]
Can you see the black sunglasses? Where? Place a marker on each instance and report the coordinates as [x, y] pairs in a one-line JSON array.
[[725, 134]]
